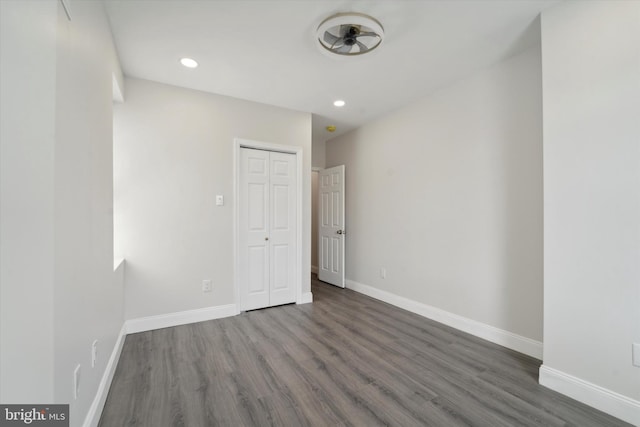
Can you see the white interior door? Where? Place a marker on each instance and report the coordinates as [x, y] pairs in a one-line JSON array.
[[254, 229], [282, 229], [267, 228], [331, 227]]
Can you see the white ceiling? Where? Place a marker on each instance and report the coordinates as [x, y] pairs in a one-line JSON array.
[[266, 50]]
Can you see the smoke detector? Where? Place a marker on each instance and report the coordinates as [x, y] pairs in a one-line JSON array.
[[350, 34]]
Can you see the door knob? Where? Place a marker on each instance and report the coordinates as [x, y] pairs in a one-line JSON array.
[[340, 232], [266, 238]]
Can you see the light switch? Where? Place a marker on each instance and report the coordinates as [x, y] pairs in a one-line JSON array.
[[219, 200]]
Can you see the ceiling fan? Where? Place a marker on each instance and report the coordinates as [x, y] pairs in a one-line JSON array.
[[350, 34]]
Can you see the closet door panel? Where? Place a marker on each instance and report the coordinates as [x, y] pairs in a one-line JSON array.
[[254, 206]]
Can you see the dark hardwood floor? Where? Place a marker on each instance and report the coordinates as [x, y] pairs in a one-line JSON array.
[[346, 359]]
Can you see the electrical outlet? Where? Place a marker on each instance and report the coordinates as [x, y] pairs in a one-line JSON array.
[[635, 354], [76, 382], [383, 273], [94, 353], [207, 286]]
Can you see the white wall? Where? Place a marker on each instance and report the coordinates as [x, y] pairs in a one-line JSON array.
[[446, 194], [88, 304], [27, 124], [318, 156], [59, 292], [591, 82], [173, 153]]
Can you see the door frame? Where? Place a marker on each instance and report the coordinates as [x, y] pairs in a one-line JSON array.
[[239, 143], [316, 169]]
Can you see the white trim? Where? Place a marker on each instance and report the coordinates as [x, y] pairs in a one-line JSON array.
[[168, 320], [247, 143], [116, 90], [504, 338], [299, 187], [236, 212], [307, 297], [314, 268], [95, 410], [608, 401], [118, 263]]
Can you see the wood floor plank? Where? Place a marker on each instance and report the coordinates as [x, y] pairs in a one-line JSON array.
[[345, 360]]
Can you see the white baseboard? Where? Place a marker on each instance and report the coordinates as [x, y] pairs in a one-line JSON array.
[[608, 401], [314, 269], [306, 298], [143, 324], [95, 410], [504, 338]]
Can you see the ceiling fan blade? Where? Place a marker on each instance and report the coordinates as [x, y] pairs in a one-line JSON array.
[[338, 43], [369, 34], [344, 49], [330, 38], [344, 29], [362, 46]]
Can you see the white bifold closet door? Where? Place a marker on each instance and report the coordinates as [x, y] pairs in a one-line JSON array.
[[267, 228]]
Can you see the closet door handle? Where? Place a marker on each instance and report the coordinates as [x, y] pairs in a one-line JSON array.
[[266, 238]]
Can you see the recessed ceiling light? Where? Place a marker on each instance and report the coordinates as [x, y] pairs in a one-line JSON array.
[[188, 62], [339, 103]]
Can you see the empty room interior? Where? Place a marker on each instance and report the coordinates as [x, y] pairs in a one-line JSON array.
[[304, 212]]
